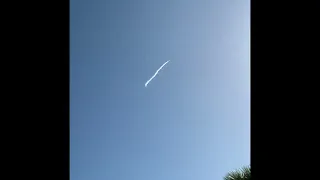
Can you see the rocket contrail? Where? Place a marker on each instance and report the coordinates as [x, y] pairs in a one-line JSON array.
[[146, 84]]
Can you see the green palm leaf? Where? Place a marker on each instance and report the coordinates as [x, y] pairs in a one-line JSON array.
[[241, 174]]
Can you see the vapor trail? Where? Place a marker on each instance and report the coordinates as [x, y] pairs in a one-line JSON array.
[[146, 84]]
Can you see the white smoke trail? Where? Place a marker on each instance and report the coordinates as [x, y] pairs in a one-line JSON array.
[[146, 84]]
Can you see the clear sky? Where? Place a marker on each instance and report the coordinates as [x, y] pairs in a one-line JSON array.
[[192, 122]]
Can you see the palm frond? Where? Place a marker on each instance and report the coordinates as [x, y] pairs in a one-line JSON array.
[[241, 174]]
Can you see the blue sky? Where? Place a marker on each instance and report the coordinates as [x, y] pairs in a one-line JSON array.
[[192, 122]]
